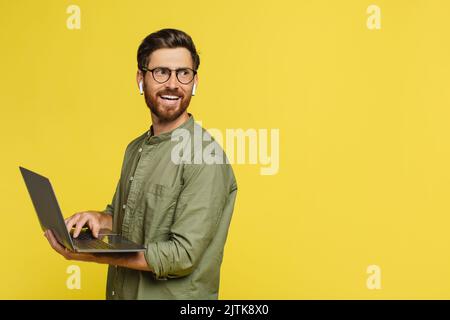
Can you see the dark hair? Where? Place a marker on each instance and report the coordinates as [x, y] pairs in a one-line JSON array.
[[166, 38]]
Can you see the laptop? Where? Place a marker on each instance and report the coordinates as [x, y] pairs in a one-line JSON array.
[[50, 217]]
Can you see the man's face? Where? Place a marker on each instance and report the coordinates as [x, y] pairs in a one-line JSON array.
[[170, 99]]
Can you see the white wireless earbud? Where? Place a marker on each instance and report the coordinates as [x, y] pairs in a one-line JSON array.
[[141, 90], [193, 89]]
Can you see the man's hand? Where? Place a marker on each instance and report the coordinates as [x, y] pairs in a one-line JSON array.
[[69, 255], [127, 260], [95, 220]]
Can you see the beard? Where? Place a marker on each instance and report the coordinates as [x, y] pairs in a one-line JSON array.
[[167, 113]]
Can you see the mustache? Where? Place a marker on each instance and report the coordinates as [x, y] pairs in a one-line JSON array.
[[170, 93]]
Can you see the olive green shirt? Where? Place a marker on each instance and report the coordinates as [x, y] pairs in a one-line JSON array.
[[179, 209]]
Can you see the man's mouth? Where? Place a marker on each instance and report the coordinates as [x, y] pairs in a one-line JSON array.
[[170, 97], [169, 100]]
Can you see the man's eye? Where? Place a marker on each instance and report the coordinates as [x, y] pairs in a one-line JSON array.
[[161, 71], [185, 72]]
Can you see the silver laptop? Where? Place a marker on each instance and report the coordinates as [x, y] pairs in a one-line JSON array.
[[50, 217]]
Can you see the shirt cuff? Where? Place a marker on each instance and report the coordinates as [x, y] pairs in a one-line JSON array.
[[153, 261], [109, 210]]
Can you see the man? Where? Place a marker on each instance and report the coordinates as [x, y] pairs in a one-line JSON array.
[[180, 210]]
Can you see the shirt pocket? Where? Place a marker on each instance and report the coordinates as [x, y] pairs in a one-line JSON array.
[[159, 209]]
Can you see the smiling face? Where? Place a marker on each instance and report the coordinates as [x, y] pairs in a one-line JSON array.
[[169, 100]]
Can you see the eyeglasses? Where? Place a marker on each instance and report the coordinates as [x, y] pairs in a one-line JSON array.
[[162, 74]]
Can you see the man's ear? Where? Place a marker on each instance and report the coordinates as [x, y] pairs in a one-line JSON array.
[[139, 77], [140, 81], [194, 86], [196, 80]]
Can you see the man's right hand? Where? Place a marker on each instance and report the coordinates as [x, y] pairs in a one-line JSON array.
[[95, 220]]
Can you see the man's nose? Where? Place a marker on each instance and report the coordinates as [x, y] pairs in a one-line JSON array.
[[173, 81]]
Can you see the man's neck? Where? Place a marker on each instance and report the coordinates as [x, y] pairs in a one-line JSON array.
[[161, 127]]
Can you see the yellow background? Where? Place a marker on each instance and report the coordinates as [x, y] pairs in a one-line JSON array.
[[363, 116]]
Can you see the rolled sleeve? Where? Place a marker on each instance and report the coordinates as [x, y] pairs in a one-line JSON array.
[[198, 212], [109, 210]]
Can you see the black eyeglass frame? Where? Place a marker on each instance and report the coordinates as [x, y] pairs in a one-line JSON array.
[[145, 69]]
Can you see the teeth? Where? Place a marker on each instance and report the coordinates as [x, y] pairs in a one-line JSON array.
[[169, 97]]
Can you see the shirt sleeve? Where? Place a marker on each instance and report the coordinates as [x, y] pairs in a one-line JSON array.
[[198, 213]]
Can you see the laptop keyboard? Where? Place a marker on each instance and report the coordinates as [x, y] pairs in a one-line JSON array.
[[86, 235], [86, 240], [91, 244]]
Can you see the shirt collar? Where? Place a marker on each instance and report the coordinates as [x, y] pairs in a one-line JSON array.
[[151, 139]]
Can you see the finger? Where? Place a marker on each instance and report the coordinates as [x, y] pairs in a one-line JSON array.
[[71, 221], [51, 238], [95, 229], [75, 215], [69, 255], [90, 223], [54, 243], [94, 226], [80, 225]]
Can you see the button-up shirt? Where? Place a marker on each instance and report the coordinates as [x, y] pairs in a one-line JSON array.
[[180, 208]]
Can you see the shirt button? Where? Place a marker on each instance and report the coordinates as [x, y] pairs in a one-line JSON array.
[[131, 179], [140, 149], [124, 206], [113, 292]]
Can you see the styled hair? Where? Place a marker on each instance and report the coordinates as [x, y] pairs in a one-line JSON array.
[[166, 38]]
